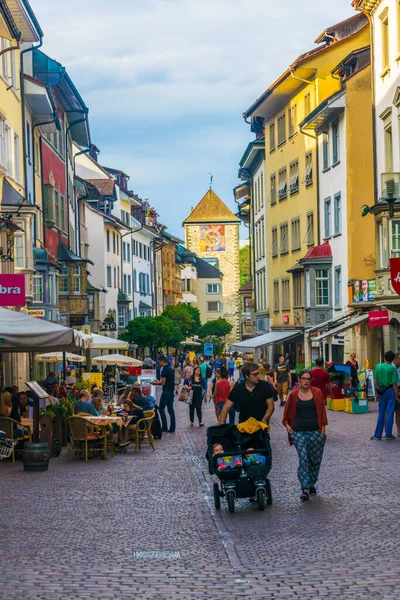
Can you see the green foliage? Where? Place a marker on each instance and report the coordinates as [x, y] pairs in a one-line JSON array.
[[154, 332], [169, 332], [186, 316], [244, 265], [83, 384], [217, 328]]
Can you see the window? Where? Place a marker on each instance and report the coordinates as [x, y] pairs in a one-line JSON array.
[[62, 213], [134, 280], [395, 239], [262, 190], [125, 284], [129, 284], [76, 279], [337, 214], [285, 294], [335, 142], [121, 318], [322, 287], [384, 17], [296, 244], [272, 187], [109, 276], [294, 178], [310, 229], [388, 141], [115, 277], [5, 144], [63, 280], [17, 162], [308, 289], [148, 284], [57, 207], [117, 245], [51, 288], [114, 244], [325, 151], [214, 306], [272, 137], [292, 120], [338, 287], [128, 252], [4, 59], [276, 295], [282, 129], [327, 217], [297, 291], [212, 288], [38, 288], [212, 261], [108, 240], [383, 246], [308, 175], [91, 307], [307, 104], [124, 251], [256, 196], [282, 184], [274, 246], [37, 156], [284, 247], [19, 251], [140, 250]]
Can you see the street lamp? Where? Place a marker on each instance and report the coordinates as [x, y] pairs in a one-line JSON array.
[[390, 194]]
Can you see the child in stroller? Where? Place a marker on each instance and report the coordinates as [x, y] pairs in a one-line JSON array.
[[252, 450], [225, 462]]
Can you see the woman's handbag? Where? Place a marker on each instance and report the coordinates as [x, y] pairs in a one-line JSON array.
[[185, 396]]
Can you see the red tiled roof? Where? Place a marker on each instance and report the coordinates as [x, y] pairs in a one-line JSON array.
[[105, 186], [322, 251]]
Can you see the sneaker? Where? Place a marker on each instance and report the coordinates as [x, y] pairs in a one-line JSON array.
[[281, 403], [238, 463], [201, 424], [124, 444], [222, 467], [304, 495], [312, 491], [389, 437], [375, 438], [191, 424]]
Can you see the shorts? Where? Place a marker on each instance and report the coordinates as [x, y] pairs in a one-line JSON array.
[[283, 388], [231, 371]]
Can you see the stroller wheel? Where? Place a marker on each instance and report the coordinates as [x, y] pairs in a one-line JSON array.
[[230, 498], [217, 497], [260, 494], [269, 492]]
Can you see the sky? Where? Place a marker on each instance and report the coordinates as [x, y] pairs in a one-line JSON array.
[[167, 81]]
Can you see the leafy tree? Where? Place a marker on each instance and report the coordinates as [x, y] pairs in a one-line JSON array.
[[169, 332], [216, 328], [186, 316], [154, 332], [244, 265]]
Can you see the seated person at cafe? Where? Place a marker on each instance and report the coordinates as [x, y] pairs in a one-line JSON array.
[[136, 413], [51, 379], [20, 406], [97, 401], [138, 400], [6, 410], [146, 394], [84, 406]]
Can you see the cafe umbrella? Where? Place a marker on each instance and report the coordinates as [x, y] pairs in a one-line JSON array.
[[120, 360]]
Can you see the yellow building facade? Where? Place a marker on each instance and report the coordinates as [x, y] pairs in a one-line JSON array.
[[291, 212]]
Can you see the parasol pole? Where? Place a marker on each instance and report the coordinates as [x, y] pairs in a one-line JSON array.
[[64, 365]]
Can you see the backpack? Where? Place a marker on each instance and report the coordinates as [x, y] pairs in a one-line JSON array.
[[156, 428], [208, 372]]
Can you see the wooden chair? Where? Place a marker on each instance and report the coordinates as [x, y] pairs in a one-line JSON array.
[[9, 425], [85, 438], [143, 430]]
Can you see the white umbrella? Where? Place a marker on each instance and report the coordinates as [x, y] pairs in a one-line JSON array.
[[190, 343], [102, 342], [117, 359], [53, 357]]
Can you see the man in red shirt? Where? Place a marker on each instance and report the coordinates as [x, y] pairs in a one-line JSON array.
[[321, 379]]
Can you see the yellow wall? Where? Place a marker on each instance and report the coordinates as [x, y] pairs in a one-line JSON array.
[[360, 176], [296, 147]]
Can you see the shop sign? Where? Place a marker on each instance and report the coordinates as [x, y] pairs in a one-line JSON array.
[[36, 312], [12, 290], [364, 291], [378, 318], [285, 318], [208, 349], [395, 274]]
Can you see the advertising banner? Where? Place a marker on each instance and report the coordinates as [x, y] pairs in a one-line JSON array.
[[12, 290], [378, 318], [208, 349], [395, 274], [364, 291]]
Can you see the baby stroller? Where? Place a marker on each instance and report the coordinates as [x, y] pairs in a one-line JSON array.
[[248, 482]]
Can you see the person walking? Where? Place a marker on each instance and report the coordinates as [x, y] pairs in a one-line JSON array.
[[353, 364], [321, 379], [305, 420], [386, 380], [223, 388], [187, 369], [211, 391], [177, 376], [231, 368], [282, 379], [251, 397], [396, 363], [196, 385], [167, 396]]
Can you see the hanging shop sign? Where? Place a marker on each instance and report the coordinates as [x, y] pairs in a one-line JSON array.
[[12, 290], [364, 291], [395, 274], [39, 313], [285, 319], [378, 318]]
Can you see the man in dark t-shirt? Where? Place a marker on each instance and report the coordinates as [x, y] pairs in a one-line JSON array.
[[252, 398], [282, 379], [167, 396]]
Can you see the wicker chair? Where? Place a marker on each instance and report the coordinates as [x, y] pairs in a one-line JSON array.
[[143, 430], [9, 425], [84, 438]]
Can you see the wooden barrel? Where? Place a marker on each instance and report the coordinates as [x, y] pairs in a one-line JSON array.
[[36, 456]]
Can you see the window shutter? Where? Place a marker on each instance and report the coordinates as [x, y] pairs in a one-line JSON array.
[[48, 202]]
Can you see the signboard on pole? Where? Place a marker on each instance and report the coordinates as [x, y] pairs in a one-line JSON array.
[[12, 290], [395, 274], [378, 318], [208, 349]]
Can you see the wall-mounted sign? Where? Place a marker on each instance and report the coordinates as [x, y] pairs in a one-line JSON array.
[[12, 290], [364, 291], [395, 274], [36, 312], [208, 349], [285, 319], [378, 318]]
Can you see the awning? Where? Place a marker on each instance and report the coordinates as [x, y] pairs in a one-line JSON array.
[[267, 339], [102, 342], [343, 327]]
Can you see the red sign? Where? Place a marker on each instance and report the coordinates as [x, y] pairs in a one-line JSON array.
[[395, 274], [377, 318], [12, 290], [285, 318]]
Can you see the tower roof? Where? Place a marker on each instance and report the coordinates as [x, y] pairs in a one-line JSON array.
[[211, 209]]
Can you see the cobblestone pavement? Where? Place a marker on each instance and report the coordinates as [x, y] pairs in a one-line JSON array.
[[73, 532]]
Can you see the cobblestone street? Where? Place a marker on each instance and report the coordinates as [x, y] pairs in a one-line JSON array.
[[73, 532]]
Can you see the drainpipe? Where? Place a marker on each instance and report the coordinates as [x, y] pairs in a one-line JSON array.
[[22, 93], [76, 122]]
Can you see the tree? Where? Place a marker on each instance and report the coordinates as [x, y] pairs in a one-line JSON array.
[[215, 328], [154, 332], [186, 316], [244, 265]]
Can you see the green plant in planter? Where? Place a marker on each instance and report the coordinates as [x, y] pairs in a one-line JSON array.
[[65, 408], [48, 411], [83, 384]]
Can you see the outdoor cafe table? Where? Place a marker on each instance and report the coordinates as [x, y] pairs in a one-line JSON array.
[[104, 421]]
